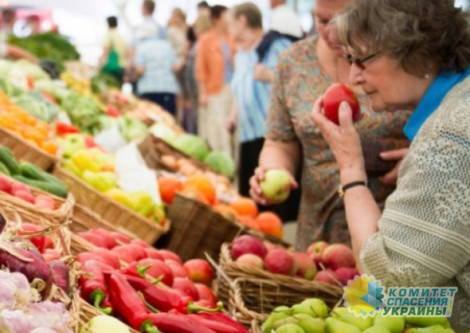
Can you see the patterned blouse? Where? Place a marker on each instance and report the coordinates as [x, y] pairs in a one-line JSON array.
[[297, 85]]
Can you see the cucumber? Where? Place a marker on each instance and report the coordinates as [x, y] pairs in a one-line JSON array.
[[31, 171], [45, 185], [7, 158], [4, 169]]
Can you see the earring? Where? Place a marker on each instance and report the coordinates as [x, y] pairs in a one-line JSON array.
[[426, 76]]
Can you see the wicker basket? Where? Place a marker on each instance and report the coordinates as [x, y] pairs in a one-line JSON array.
[[23, 150], [84, 219], [255, 327], [110, 210], [253, 293], [197, 229], [30, 212]]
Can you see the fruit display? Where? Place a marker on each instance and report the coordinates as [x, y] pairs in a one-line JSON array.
[[313, 316], [19, 121], [332, 99]]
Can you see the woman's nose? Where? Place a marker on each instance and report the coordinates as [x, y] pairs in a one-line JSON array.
[[355, 75]]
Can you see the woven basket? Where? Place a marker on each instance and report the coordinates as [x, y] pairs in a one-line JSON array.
[[255, 327], [110, 210], [262, 291], [197, 229], [84, 219], [30, 212], [23, 150]]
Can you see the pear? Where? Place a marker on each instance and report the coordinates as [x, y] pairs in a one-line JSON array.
[[345, 316], [312, 325], [393, 324], [281, 312], [281, 322], [376, 329], [290, 328], [432, 329], [337, 326], [427, 321], [314, 307]]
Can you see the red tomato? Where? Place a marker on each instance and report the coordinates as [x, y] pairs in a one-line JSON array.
[[333, 97]]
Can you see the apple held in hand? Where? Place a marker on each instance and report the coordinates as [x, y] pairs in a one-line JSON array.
[[333, 97], [275, 185]]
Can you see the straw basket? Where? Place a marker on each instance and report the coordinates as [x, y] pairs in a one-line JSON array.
[[84, 219], [197, 229], [255, 328], [31, 213], [253, 293], [23, 150], [110, 210]]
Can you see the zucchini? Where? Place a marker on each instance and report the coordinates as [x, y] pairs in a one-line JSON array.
[[7, 158], [4, 169], [45, 185]]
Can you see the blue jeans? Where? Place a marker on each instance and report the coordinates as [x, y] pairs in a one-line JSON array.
[[166, 100]]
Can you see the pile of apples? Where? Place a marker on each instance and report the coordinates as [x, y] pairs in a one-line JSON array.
[[191, 278], [250, 251], [23, 192], [312, 316]]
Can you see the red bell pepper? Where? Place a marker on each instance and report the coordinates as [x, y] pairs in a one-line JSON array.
[[98, 256], [137, 270], [160, 298], [127, 302], [93, 286], [112, 111], [63, 128], [110, 258], [219, 322], [177, 323], [90, 142]]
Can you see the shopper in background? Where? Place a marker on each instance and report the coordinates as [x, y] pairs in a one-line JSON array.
[[155, 71], [304, 72], [251, 95], [421, 239], [149, 24], [203, 8], [201, 25], [8, 20], [34, 23], [116, 51], [284, 20], [177, 31], [8, 50], [214, 69]]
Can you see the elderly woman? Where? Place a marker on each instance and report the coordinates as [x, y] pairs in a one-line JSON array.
[[405, 54]]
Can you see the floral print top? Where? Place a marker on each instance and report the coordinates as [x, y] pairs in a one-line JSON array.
[[298, 83]]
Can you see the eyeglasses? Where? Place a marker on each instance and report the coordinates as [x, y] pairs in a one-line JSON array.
[[360, 62]]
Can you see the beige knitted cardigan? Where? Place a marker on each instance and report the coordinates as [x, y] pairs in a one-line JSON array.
[[424, 232]]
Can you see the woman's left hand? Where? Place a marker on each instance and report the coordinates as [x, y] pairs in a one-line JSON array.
[[344, 141]]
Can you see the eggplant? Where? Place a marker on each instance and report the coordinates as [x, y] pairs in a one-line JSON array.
[[28, 261], [60, 275]]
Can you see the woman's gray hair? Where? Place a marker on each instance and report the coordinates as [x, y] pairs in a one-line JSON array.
[[423, 35]]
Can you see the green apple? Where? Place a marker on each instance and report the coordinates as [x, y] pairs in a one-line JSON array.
[[393, 324], [432, 329], [104, 324], [376, 329], [311, 325], [290, 328], [427, 321], [345, 316], [275, 185], [337, 326]]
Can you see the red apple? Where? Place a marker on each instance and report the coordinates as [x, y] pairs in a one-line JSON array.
[[315, 251], [248, 244], [306, 266], [169, 255], [270, 246], [206, 294], [250, 260], [5, 184], [279, 261], [186, 287], [199, 270], [158, 269], [344, 274], [338, 255], [177, 268], [326, 276], [333, 97]]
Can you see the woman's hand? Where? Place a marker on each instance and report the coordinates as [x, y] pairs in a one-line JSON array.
[[344, 141], [255, 188], [390, 178]]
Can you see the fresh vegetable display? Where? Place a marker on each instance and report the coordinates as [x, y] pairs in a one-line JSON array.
[[37, 105], [313, 316], [15, 119]]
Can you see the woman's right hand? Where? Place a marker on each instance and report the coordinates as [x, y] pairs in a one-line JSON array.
[[255, 187]]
